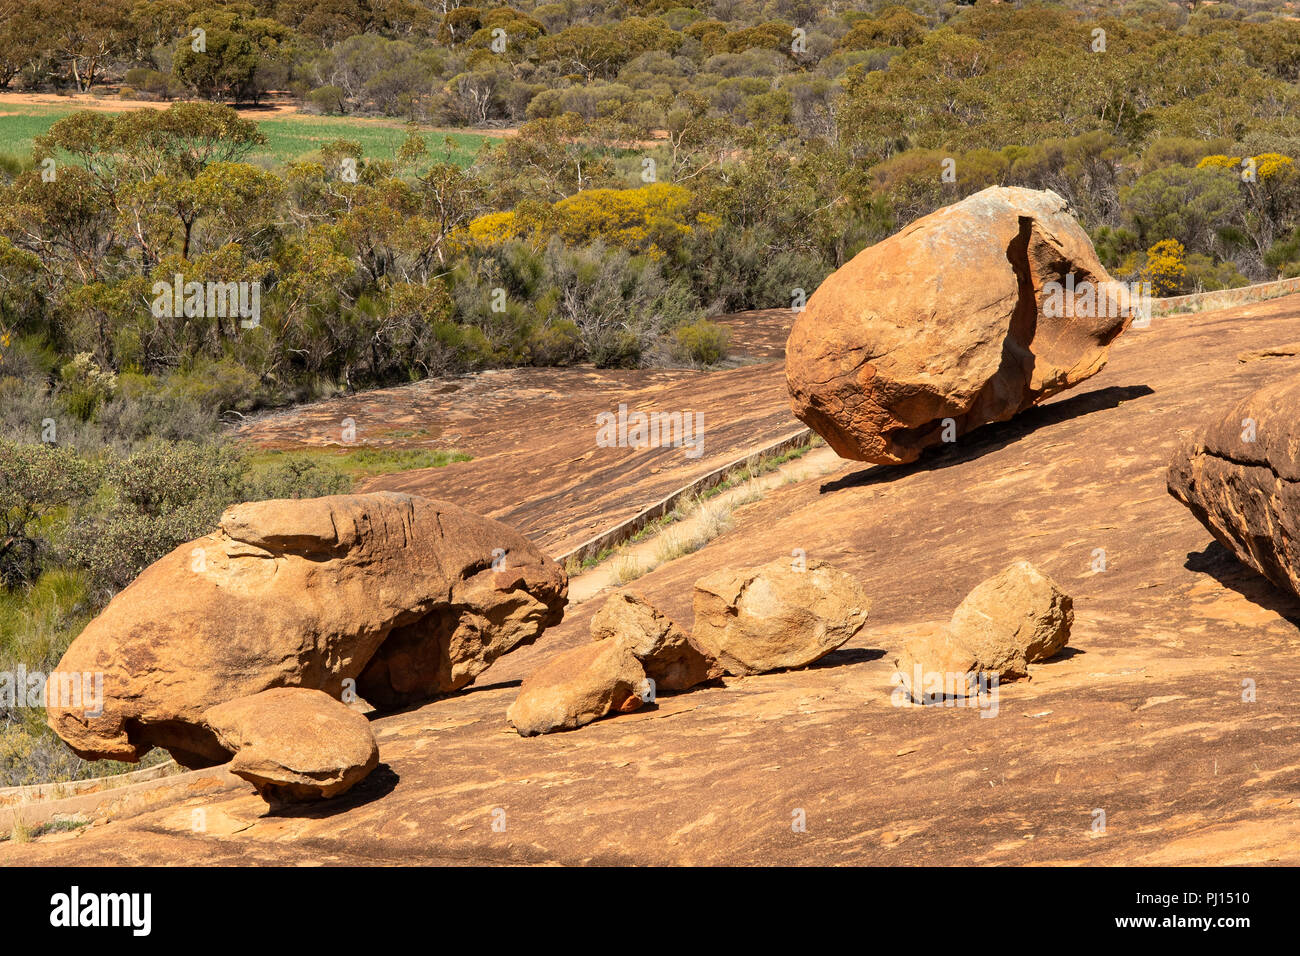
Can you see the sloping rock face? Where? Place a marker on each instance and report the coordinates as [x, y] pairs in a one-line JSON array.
[[408, 597], [947, 319], [294, 744], [774, 617], [669, 655], [578, 686], [1242, 481]]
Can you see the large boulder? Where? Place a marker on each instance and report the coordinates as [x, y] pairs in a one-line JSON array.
[[946, 320], [776, 616], [1242, 481], [669, 655], [294, 744], [407, 597], [1009, 621], [577, 686]]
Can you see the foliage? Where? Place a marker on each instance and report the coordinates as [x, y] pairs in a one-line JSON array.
[[1165, 267], [36, 482], [701, 343]]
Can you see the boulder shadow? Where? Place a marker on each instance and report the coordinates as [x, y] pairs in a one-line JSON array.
[[1222, 565], [845, 656], [479, 688], [415, 705], [995, 436], [380, 783]]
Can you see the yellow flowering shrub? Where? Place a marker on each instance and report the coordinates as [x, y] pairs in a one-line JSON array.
[[1165, 267]]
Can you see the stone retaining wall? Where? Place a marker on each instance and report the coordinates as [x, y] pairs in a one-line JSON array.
[[625, 530], [1200, 301]]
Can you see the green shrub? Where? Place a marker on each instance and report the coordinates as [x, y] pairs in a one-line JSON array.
[[144, 410], [36, 483], [327, 99], [1206, 275], [733, 270], [555, 343], [702, 342], [295, 477], [85, 386], [159, 497]]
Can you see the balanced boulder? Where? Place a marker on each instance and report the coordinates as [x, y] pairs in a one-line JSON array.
[[577, 686], [669, 655], [776, 616], [294, 744], [972, 313], [395, 597], [1242, 481]]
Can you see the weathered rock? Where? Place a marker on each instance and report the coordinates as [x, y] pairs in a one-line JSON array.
[[946, 319], [1289, 350], [295, 744], [578, 686], [933, 665], [776, 617], [394, 592], [668, 654], [1247, 492], [1014, 619], [1009, 621]]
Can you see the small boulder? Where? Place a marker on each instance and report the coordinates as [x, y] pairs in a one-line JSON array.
[[670, 657], [294, 744], [932, 665], [578, 686], [1013, 619], [776, 616]]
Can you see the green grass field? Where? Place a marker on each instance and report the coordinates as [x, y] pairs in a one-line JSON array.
[[362, 463], [19, 130], [289, 137]]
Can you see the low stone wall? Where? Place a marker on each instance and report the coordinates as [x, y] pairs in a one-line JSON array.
[[1200, 301], [625, 530], [122, 796], [11, 796]]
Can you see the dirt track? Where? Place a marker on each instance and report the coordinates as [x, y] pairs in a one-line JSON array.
[[1142, 717]]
